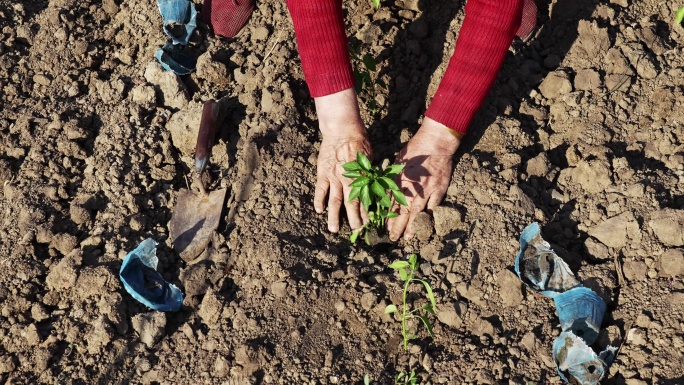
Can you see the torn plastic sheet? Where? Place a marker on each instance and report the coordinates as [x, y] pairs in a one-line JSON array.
[[142, 280], [575, 359], [539, 267], [580, 309], [180, 19], [176, 58]]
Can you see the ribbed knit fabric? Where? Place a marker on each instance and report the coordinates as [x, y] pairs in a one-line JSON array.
[[487, 32], [227, 17], [322, 43], [529, 19]]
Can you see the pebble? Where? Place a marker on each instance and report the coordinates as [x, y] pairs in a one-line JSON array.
[[672, 263], [447, 219], [150, 327], [555, 84], [668, 226]]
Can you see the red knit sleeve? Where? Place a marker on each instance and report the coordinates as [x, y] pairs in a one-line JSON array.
[[487, 32], [322, 42]]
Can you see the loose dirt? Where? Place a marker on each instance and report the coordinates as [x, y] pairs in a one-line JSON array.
[[581, 132]]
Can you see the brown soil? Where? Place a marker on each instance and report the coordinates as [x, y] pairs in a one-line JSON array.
[[582, 132]]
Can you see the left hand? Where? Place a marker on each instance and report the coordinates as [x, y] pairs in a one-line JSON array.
[[425, 178]]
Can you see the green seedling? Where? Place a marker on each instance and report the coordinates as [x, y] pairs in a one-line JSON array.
[[679, 17], [366, 380], [406, 379], [374, 187], [407, 272], [376, 3], [365, 72]]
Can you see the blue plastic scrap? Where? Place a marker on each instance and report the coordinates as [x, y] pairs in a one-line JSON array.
[[580, 309], [175, 58], [142, 280], [180, 19]]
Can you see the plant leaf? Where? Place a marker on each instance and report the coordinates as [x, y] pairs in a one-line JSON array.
[[399, 197], [430, 294], [360, 182], [385, 202], [355, 235], [363, 161], [388, 183], [365, 197], [354, 193], [366, 380], [378, 190], [368, 60], [413, 260], [376, 3], [394, 169], [352, 174], [403, 274], [680, 15], [392, 214], [358, 84], [429, 309], [396, 265], [381, 83], [426, 322], [391, 309], [351, 166]]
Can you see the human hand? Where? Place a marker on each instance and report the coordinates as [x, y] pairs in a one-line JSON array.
[[425, 178], [343, 135]]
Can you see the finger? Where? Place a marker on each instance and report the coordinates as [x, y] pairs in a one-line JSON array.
[[364, 214], [435, 199], [353, 212], [321, 191], [399, 223], [334, 205], [395, 209], [417, 206]]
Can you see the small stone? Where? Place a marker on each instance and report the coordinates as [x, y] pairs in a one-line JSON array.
[[510, 288], [144, 95], [634, 270], [555, 84], [482, 327], [447, 219], [587, 80], [38, 312], [7, 363], [538, 166], [449, 316], [592, 176], [170, 88], [42, 80], [340, 306], [672, 263], [613, 232], [622, 3], [260, 33], [643, 321], [210, 309], [150, 327], [279, 289], [368, 300], [596, 249], [422, 225], [668, 226]]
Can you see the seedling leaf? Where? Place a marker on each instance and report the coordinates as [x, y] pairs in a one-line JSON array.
[[396, 265], [360, 182], [366, 380], [388, 183], [426, 322], [355, 235], [376, 3], [386, 202], [368, 60], [365, 197], [391, 309], [363, 161], [429, 309], [680, 15], [403, 274], [430, 295], [394, 169], [352, 174], [354, 193], [378, 190], [392, 214], [399, 197], [351, 166]]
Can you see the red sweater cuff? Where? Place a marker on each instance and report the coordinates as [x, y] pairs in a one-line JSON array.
[[487, 32], [322, 42]]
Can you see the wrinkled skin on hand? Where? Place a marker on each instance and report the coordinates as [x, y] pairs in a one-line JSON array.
[[335, 152], [343, 135], [425, 178]]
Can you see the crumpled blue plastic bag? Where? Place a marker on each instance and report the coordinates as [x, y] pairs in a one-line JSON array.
[[580, 309], [141, 279], [176, 59], [180, 19]]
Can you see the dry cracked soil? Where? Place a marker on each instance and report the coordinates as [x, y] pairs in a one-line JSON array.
[[582, 132]]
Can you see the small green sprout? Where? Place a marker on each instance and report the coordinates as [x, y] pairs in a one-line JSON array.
[[376, 3], [679, 17], [365, 68], [373, 187], [406, 379], [366, 380], [407, 272]]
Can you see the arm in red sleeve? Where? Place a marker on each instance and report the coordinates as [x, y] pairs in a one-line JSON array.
[[487, 31], [322, 43]]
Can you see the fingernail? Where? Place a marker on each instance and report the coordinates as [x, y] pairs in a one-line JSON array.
[[319, 210], [333, 229], [394, 237]]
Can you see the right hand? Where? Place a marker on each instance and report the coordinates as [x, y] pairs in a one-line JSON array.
[[343, 135]]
